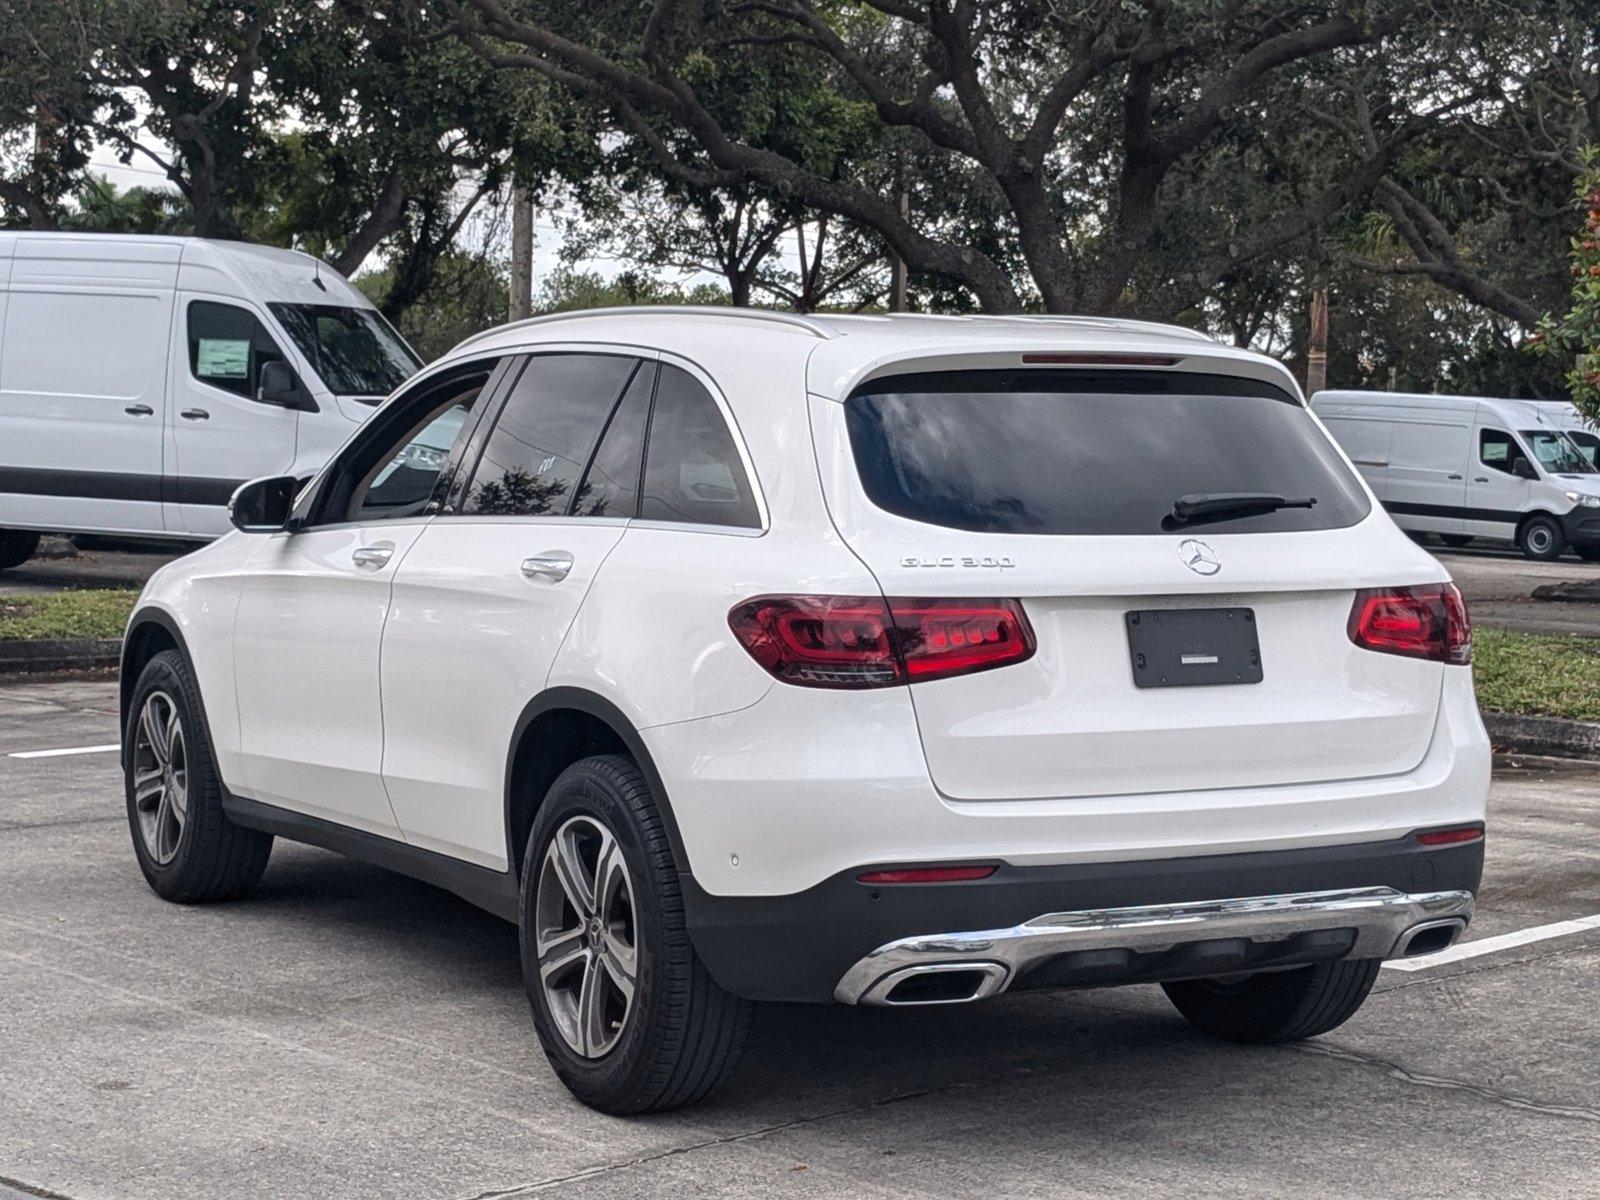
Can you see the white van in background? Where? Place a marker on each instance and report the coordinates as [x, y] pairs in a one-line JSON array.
[[142, 379], [1585, 434], [1466, 467]]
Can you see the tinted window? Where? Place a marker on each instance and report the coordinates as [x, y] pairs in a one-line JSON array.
[[354, 351], [1497, 449], [610, 488], [227, 346], [404, 479], [542, 441], [692, 470], [1054, 452]]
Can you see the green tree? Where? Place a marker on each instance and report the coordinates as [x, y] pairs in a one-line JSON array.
[[1574, 337]]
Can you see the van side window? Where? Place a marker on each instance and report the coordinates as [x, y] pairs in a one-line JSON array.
[[692, 469], [1497, 449], [545, 434], [227, 347]]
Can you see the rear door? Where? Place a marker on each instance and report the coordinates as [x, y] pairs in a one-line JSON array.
[[482, 602], [1058, 488]]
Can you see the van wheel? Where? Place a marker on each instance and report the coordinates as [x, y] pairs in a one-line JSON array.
[[189, 851], [1542, 539], [16, 547], [1276, 1006], [628, 1016], [1456, 540]]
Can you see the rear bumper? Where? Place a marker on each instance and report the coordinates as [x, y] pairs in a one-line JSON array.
[[812, 945]]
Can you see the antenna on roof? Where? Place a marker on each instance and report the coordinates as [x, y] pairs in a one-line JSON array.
[[316, 273]]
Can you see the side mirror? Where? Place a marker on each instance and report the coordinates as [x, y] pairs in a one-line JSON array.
[[263, 505], [281, 386], [1523, 469]]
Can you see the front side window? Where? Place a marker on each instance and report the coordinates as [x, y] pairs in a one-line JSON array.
[[404, 480], [1092, 452], [228, 346], [1556, 453], [545, 434], [693, 473], [1497, 450], [354, 351]]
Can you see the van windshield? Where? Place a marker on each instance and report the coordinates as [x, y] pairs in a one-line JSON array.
[[1092, 452], [1556, 452], [353, 350]]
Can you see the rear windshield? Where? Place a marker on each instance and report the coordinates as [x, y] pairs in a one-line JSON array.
[[1092, 452]]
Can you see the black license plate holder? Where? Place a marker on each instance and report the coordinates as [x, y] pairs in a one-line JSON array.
[[1193, 647]]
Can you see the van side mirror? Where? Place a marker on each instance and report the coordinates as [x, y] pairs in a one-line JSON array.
[[1523, 469], [263, 505], [281, 386]]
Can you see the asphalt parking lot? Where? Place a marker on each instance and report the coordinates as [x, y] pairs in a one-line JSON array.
[[348, 1033]]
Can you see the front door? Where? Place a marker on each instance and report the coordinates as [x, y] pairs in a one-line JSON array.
[[312, 611], [484, 600], [1496, 495], [220, 434]]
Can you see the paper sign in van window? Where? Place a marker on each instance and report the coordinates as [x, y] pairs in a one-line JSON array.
[[223, 358]]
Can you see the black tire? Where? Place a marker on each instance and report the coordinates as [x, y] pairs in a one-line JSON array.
[[682, 1034], [16, 547], [1456, 540], [1542, 539], [1277, 1006], [213, 858]]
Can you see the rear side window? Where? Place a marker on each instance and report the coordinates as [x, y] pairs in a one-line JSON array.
[[227, 347], [692, 471], [1059, 452], [545, 434]]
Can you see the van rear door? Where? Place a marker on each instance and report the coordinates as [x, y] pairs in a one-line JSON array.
[[1057, 488], [83, 383]]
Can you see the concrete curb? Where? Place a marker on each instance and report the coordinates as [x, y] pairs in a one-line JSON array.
[[1554, 737], [58, 654]]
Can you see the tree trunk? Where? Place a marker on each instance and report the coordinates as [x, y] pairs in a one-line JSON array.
[[521, 305]]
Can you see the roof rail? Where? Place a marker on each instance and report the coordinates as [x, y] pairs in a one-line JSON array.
[[814, 327]]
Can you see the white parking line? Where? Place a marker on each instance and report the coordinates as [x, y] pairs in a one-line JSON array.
[[1506, 941], [62, 753]]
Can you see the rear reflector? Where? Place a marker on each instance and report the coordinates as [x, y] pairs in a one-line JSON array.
[[867, 641], [1449, 837], [927, 875], [1417, 622]]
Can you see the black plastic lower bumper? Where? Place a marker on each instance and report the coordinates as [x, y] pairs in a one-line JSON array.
[[1582, 527], [797, 947]]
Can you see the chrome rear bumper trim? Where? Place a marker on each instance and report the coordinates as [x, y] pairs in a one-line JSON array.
[[1380, 916]]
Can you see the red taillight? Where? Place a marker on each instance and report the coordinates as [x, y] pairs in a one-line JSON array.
[[866, 642], [1449, 837], [927, 875], [1418, 622]]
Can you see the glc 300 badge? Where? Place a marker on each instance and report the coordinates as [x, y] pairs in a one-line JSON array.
[[991, 561], [1199, 557]]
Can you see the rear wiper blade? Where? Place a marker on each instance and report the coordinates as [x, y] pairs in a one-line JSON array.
[[1199, 508]]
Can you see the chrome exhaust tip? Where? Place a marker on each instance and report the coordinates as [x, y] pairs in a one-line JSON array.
[[1429, 938], [937, 983]]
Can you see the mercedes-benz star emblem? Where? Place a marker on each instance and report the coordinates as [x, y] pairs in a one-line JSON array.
[[1199, 557]]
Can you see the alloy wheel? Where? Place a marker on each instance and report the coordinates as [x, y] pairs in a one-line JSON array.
[[160, 777], [586, 936]]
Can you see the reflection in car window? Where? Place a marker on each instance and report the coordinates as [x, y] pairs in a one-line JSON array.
[[1556, 454], [692, 468], [544, 435], [404, 481], [228, 347], [610, 487], [353, 350]]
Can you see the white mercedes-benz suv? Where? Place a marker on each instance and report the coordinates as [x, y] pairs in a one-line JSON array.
[[739, 656]]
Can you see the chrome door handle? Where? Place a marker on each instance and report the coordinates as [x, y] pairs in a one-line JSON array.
[[139, 410], [373, 556], [195, 414], [554, 566]]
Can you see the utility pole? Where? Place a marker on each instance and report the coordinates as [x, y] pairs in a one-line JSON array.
[[521, 306], [1317, 349], [897, 265]]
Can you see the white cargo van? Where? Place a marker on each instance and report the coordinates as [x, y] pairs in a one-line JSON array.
[[1585, 434], [1466, 467], [142, 379]]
